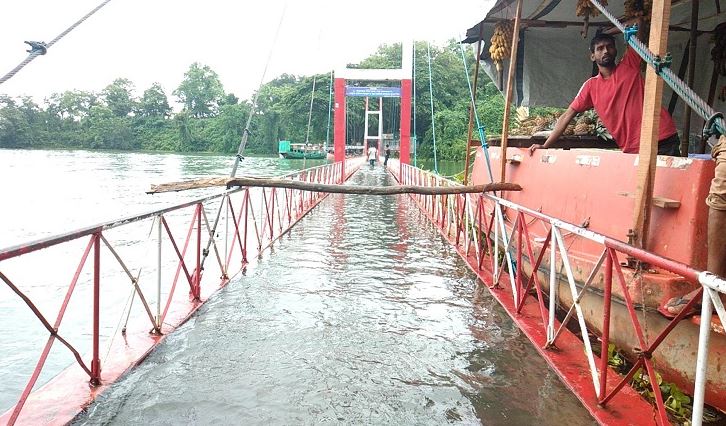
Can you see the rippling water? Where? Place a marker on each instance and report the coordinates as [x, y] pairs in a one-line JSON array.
[[46, 192], [362, 314]]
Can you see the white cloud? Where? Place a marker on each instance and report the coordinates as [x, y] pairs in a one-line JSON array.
[[156, 40]]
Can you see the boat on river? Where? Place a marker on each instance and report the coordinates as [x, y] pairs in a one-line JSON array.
[[299, 151]]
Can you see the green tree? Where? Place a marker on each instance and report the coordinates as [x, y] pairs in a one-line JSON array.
[[213, 121], [224, 131], [106, 130], [119, 97], [183, 126], [154, 102], [201, 91], [72, 105]]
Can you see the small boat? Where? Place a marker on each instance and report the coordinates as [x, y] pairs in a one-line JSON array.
[[295, 151]]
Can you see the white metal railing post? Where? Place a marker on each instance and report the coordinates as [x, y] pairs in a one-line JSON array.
[[578, 309], [702, 359], [226, 200], [495, 218], [470, 225], [507, 255], [553, 288], [158, 276]]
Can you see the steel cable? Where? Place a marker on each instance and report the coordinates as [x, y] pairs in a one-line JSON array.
[[35, 52], [243, 142], [479, 126], [431, 98]]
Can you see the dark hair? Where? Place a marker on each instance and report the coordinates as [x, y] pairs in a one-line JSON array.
[[600, 37]]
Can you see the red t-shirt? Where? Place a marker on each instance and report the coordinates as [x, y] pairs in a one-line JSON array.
[[619, 103]]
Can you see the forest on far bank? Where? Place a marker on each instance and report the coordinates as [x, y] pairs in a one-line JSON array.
[[119, 117]]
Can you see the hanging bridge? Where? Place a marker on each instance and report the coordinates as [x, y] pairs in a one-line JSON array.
[[201, 246]]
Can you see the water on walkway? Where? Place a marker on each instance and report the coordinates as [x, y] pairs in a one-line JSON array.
[[363, 314]]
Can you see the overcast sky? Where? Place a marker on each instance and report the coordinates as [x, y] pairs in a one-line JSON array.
[[156, 40]]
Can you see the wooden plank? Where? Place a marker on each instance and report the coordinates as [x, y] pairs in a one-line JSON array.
[[564, 142], [510, 84], [662, 202], [645, 178], [334, 189]]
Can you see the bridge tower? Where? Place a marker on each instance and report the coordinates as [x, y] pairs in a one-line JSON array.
[[402, 76]]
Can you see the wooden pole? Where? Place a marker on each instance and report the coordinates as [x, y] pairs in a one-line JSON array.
[[510, 84], [472, 107], [645, 178], [333, 189], [691, 73]]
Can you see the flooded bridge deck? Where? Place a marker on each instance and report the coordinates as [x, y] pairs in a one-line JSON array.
[[363, 314]]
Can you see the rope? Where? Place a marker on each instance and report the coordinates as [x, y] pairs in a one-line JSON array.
[[433, 120], [661, 66], [479, 126], [40, 48]]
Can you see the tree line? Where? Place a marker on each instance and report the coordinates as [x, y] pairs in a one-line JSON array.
[[213, 120]]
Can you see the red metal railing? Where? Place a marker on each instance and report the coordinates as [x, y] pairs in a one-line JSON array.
[[478, 227], [247, 221]]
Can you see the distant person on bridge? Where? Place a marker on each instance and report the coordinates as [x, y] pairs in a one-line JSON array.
[[616, 94], [372, 155], [388, 154]]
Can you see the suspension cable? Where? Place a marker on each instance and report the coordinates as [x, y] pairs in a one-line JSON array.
[[479, 126], [662, 68], [243, 142], [246, 131], [310, 111], [38, 48], [330, 108], [310, 117], [433, 120]]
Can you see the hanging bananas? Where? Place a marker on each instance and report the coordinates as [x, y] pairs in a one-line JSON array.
[[501, 43]]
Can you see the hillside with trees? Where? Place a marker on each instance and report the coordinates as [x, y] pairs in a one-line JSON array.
[[120, 117]]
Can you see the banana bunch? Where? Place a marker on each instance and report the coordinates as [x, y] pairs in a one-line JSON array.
[[501, 42], [586, 9], [718, 53]]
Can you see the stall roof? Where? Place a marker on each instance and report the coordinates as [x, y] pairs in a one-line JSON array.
[[553, 58]]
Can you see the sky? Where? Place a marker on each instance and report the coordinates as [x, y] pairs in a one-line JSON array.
[[149, 41]]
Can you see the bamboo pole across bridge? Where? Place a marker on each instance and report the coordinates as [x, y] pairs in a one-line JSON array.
[[334, 189]]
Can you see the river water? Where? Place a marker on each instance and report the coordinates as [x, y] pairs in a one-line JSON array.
[[362, 314]]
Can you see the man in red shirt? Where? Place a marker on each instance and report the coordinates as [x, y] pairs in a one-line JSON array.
[[616, 93]]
